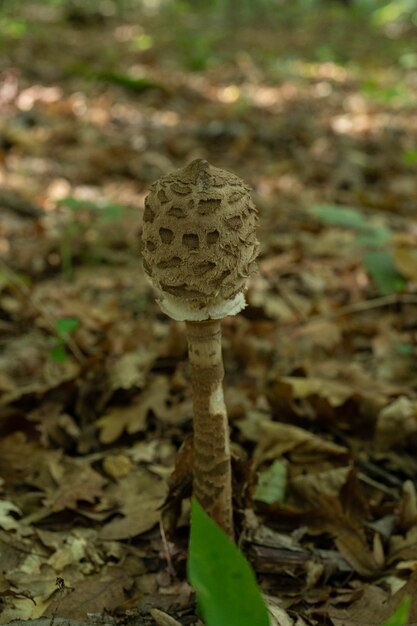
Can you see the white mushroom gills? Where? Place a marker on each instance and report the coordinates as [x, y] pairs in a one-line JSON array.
[[199, 247]]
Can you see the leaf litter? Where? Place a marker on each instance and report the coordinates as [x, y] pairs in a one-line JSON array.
[[320, 368]]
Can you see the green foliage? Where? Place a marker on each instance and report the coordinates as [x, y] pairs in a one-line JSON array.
[[410, 157], [64, 327], [227, 592], [272, 483], [339, 216], [105, 210], [380, 265], [373, 241], [13, 27], [102, 210], [400, 617]]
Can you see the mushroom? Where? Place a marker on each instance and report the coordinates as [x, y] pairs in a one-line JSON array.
[[199, 247]]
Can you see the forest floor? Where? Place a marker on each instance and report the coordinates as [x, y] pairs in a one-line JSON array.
[[316, 112]]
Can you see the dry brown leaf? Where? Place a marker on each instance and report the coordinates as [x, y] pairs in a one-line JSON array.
[[133, 418], [131, 369], [27, 461], [277, 615], [349, 537], [140, 495], [117, 465], [94, 594], [321, 333], [396, 423], [334, 392], [78, 484], [405, 259], [375, 606], [403, 548], [370, 609], [277, 439], [407, 508], [163, 619], [329, 482]]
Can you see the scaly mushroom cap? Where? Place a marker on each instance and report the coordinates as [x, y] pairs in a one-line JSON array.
[[198, 241]]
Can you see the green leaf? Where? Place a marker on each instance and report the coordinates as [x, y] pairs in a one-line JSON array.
[[271, 484], [410, 157], [59, 354], [66, 326], [400, 617], [405, 349], [110, 211], [339, 216], [138, 85], [227, 592], [380, 266], [374, 236], [76, 205]]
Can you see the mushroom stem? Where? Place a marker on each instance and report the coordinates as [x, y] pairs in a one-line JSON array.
[[212, 479]]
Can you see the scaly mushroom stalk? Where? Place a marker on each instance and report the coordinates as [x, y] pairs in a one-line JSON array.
[[199, 247]]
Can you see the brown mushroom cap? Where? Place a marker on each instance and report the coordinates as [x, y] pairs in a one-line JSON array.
[[198, 239]]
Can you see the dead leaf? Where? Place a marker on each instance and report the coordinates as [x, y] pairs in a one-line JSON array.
[[131, 369], [375, 606], [349, 536], [396, 423], [321, 333], [329, 482], [78, 484], [277, 439], [163, 619], [104, 592], [117, 465], [140, 495], [133, 418], [405, 259], [7, 521]]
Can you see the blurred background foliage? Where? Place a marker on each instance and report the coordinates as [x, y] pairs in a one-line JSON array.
[[285, 36], [389, 19]]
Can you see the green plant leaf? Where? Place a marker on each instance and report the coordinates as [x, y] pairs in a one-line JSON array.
[[59, 354], [339, 216], [109, 211], [227, 592], [400, 617], [380, 266], [66, 326], [271, 484], [112, 212], [76, 205], [374, 236], [410, 157], [138, 85]]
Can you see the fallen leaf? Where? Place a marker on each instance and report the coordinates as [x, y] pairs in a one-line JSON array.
[[104, 592], [396, 423], [132, 418], [7, 521], [140, 495], [77, 484], [131, 369], [276, 439], [329, 482], [163, 619]]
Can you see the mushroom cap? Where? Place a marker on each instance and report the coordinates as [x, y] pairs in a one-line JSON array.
[[198, 241]]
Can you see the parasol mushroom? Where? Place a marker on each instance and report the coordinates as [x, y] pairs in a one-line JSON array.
[[199, 247]]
